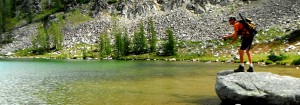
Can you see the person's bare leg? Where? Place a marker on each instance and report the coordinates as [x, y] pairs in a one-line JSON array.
[[241, 67], [241, 52], [250, 60], [249, 56]]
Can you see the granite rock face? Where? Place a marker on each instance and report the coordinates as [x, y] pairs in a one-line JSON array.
[[257, 88]]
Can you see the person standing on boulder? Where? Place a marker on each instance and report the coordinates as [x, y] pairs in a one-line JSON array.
[[247, 39]]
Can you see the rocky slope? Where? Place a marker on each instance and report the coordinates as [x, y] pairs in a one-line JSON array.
[[195, 20]]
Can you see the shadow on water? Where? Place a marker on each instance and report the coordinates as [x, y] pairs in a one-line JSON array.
[[207, 101], [210, 101], [199, 100]]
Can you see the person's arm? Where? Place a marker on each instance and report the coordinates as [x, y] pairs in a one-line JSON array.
[[234, 36]]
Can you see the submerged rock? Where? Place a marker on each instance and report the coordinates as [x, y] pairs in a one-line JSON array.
[[257, 88]]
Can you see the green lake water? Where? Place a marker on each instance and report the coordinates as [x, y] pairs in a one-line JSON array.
[[73, 82]]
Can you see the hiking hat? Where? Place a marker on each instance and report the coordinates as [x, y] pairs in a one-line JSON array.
[[231, 18]]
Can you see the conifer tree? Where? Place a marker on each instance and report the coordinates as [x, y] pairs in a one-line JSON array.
[[104, 46], [126, 44], [40, 43], [170, 47], [153, 35], [56, 34], [139, 41], [116, 31], [119, 44], [6, 12]]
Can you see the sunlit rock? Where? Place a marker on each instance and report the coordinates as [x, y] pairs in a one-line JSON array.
[[257, 88]]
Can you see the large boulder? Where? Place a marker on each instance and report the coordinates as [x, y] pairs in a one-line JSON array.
[[257, 88]]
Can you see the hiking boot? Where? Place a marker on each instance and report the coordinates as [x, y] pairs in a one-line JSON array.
[[250, 69], [240, 69]]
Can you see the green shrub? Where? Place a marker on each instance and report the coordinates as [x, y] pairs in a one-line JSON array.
[[274, 58], [25, 52], [84, 53], [82, 1], [296, 62], [62, 56], [281, 63], [294, 36], [112, 1], [268, 62], [255, 61], [6, 40]]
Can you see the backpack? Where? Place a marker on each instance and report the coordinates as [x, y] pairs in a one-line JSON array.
[[248, 24]]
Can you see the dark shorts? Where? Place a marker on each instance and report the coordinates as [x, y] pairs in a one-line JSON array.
[[246, 43]]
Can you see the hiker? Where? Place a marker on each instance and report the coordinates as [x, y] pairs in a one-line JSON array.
[[247, 39]]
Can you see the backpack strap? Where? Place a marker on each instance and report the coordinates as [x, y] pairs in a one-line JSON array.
[[252, 32]]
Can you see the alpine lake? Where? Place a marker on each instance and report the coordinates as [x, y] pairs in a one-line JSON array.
[[112, 82]]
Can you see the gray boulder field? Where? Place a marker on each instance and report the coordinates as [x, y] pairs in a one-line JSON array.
[[257, 88]]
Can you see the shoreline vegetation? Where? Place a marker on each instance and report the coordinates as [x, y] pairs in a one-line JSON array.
[[259, 59], [271, 47]]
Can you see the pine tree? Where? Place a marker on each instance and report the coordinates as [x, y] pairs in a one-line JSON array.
[[136, 42], [142, 39], [34, 42], [101, 45], [28, 10], [6, 12], [104, 46], [170, 47], [139, 41], [56, 34], [107, 45], [58, 4], [40, 42], [8, 6], [153, 36], [119, 44], [116, 31], [126, 44], [2, 17]]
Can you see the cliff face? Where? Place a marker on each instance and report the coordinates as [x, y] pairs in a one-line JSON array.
[[194, 20]]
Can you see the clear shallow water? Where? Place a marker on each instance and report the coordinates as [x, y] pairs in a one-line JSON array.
[[39, 81]]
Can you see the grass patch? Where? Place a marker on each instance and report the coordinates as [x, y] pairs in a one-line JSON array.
[[270, 33], [76, 17], [44, 13]]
